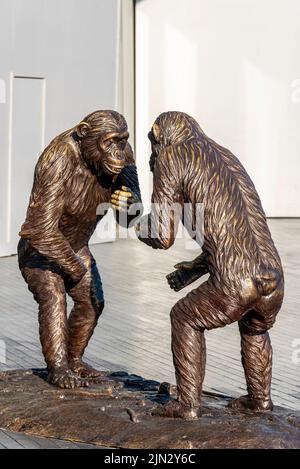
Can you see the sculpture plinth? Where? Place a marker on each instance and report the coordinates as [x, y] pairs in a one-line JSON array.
[[117, 412]]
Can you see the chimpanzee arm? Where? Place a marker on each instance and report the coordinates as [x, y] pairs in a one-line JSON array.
[[199, 266], [41, 227], [129, 178], [188, 272], [159, 228]]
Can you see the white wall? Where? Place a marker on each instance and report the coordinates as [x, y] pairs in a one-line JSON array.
[[235, 66], [74, 46]]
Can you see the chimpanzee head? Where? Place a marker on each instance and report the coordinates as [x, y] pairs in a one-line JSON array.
[[103, 136], [171, 128]]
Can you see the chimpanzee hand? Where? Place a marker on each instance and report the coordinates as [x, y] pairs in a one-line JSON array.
[[72, 281], [186, 273], [121, 200]]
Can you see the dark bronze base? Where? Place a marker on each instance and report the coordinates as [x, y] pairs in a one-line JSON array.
[[117, 412]]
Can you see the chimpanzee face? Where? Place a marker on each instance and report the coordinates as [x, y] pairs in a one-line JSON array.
[[105, 151], [155, 148], [111, 148]]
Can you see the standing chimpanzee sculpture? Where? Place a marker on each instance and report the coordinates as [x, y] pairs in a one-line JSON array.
[[245, 275], [86, 166]]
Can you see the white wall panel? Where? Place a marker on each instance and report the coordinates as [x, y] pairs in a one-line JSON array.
[[235, 66], [74, 47], [27, 137]]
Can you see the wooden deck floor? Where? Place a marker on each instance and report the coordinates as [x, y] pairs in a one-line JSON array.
[[134, 331]]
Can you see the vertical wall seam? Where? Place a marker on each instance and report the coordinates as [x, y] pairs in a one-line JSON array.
[[118, 52], [44, 114], [9, 165]]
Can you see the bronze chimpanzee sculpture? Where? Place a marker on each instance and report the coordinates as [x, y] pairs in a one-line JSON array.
[[82, 168], [245, 281]]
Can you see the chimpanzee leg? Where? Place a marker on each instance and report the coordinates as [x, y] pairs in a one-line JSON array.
[[49, 292], [256, 352], [88, 306], [203, 308], [189, 358]]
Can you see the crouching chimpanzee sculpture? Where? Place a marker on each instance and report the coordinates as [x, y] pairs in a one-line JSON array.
[[82, 168], [245, 275]]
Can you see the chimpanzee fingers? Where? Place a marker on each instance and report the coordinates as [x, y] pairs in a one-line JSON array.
[[178, 285], [120, 197], [175, 286], [185, 265], [120, 203], [117, 201], [128, 203], [174, 281], [171, 275], [170, 281], [122, 193], [120, 206], [175, 276], [125, 188]]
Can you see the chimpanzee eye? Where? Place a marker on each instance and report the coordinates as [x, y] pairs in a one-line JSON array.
[[123, 142]]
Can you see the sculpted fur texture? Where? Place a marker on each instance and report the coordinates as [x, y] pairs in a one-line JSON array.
[[89, 165], [245, 281]]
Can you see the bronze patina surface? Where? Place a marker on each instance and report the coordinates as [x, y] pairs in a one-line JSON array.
[[117, 413], [76, 178], [245, 283]]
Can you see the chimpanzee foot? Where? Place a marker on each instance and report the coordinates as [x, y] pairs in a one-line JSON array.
[[175, 409], [250, 403], [65, 378], [86, 371]]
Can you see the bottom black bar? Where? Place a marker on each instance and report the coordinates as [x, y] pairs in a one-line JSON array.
[[175, 458]]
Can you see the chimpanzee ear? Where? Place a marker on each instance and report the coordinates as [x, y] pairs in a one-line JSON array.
[[82, 129], [156, 132]]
